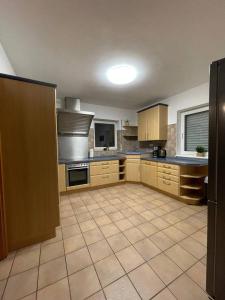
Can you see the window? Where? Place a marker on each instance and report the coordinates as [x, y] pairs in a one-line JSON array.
[[105, 135], [194, 125]]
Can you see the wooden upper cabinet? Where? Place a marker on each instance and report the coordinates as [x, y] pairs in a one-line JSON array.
[[142, 133], [152, 123]]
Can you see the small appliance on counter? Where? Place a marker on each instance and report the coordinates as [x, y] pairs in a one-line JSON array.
[[158, 152], [161, 153], [155, 152]]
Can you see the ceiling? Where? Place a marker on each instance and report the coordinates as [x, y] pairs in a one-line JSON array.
[[73, 42]]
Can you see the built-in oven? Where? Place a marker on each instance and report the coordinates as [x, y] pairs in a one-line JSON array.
[[77, 174]]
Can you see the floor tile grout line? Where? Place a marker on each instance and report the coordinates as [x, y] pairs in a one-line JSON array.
[[66, 268], [93, 266], [36, 292], [7, 279]]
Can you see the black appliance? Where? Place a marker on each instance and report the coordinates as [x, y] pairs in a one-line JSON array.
[[155, 152], [77, 174], [162, 153], [215, 283]]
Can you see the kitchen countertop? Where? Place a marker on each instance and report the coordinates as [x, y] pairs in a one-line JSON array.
[[91, 159], [133, 152], [168, 160], [180, 161]]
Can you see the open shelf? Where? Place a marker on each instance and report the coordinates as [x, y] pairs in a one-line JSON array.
[[192, 176], [191, 197], [130, 131], [191, 187]]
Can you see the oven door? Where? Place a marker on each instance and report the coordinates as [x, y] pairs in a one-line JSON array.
[[77, 176]]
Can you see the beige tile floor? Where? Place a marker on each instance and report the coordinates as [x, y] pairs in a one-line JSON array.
[[125, 242]]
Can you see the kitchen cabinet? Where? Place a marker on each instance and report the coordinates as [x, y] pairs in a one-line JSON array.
[[28, 161], [152, 123], [104, 172], [62, 177], [169, 178], [149, 173], [133, 168]]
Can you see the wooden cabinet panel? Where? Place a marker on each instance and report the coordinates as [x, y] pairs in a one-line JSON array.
[[169, 166], [168, 171], [104, 163], [169, 177], [133, 171], [104, 169], [142, 126], [62, 177], [29, 160], [98, 180], [168, 186], [149, 174], [152, 123]]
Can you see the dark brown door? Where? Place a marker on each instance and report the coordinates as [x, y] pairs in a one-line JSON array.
[[3, 240]]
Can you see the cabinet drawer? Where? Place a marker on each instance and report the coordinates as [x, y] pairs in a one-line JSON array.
[[168, 171], [104, 169], [133, 161], [105, 163], [168, 186], [168, 177], [104, 179], [169, 166], [133, 156], [149, 163]]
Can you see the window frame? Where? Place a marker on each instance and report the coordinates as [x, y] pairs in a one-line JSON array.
[[181, 132], [115, 133]]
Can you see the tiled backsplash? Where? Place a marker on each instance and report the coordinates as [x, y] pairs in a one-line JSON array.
[[171, 140], [131, 144]]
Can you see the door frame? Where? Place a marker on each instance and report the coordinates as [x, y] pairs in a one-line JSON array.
[[3, 232]]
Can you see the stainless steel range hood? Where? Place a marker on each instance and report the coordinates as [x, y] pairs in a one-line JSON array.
[[72, 121]]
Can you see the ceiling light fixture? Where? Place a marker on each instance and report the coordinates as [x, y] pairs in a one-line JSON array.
[[121, 74]]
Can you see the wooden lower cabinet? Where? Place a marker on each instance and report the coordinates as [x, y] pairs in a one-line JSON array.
[[104, 179], [168, 186], [104, 169], [103, 173], [62, 177], [149, 173], [133, 171]]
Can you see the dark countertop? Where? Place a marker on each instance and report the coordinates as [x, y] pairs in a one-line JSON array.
[[133, 152], [180, 161], [89, 159], [168, 160]]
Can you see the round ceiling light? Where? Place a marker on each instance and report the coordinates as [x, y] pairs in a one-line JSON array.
[[121, 74]]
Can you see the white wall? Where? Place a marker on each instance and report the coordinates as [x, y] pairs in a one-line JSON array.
[[109, 113], [5, 65], [190, 98]]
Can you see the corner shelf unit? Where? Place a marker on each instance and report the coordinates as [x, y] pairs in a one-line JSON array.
[[130, 131], [122, 170], [192, 183]]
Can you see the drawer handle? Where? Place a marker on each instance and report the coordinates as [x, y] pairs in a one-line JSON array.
[[167, 183], [105, 167], [105, 177], [167, 172], [103, 164], [167, 178]]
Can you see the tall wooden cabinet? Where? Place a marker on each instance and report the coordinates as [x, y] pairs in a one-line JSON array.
[[152, 123], [28, 160]]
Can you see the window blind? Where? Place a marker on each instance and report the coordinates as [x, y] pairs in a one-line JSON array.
[[196, 130]]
